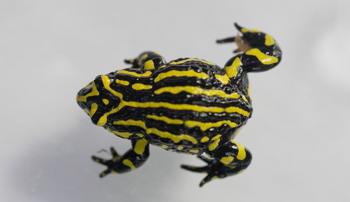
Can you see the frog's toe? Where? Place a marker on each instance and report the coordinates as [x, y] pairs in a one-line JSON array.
[[114, 153], [198, 169], [105, 172], [201, 169], [99, 160], [108, 163], [128, 61], [205, 159], [207, 179]]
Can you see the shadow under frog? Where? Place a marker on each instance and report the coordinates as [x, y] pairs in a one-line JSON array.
[[61, 170]]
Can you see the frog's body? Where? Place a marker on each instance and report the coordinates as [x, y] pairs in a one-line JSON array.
[[188, 105], [178, 106]]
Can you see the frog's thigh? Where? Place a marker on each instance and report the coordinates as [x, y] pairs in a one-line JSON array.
[[232, 155], [133, 158]]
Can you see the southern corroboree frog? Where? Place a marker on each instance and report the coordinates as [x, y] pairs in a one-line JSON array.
[[187, 105]]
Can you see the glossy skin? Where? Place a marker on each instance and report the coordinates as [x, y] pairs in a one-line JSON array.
[[187, 105]]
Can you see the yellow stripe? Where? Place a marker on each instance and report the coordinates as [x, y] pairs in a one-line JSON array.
[[155, 131], [121, 134], [214, 142], [224, 79], [122, 82], [226, 160], [149, 65], [141, 86], [241, 155], [176, 73], [196, 91], [233, 69], [189, 123], [262, 57], [237, 110], [140, 146], [93, 92], [135, 74], [206, 125], [93, 109], [131, 122], [191, 59], [129, 163], [269, 41]]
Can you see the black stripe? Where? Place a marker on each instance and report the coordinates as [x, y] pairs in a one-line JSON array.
[[200, 100]]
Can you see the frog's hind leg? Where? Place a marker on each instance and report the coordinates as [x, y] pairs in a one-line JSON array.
[[132, 159], [227, 159], [147, 60]]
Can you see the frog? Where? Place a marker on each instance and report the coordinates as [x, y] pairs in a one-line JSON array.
[[187, 105]]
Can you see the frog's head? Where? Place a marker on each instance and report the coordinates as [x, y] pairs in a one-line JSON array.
[[95, 99]]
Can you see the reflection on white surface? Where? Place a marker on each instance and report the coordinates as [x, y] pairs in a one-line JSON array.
[[298, 134]]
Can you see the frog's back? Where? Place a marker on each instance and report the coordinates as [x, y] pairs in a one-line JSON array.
[[182, 104]]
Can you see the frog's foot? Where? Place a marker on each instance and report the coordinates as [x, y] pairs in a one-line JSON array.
[[210, 169], [108, 163], [228, 159], [132, 159]]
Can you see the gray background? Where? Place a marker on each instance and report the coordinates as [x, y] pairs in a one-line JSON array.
[[299, 133]]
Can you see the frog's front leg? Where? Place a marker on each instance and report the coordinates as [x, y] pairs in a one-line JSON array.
[[132, 159], [257, 52], [226, 159]]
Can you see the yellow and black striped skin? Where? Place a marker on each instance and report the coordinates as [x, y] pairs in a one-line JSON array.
[[180, 106], [187, 105]]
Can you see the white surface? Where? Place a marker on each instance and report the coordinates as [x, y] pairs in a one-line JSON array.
[[299, 133]]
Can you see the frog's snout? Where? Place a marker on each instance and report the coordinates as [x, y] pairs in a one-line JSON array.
[[82, 97], [88, 99]]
